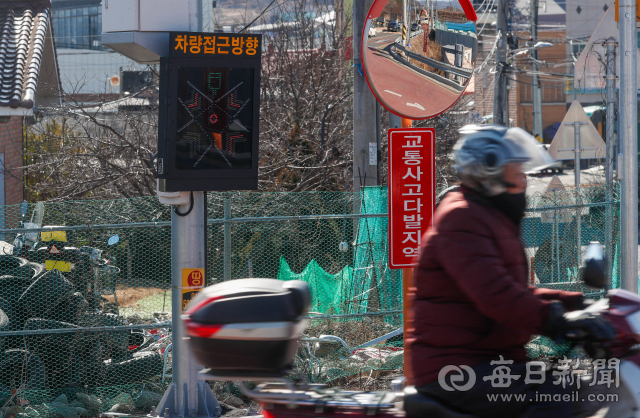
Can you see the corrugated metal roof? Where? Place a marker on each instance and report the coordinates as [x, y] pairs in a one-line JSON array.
[[23, 28]]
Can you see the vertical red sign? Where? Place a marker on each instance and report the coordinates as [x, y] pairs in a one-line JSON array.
[[412, 188]]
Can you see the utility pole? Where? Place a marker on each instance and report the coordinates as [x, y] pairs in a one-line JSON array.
[[500, 93], [628, 143], [608, 234], [364, 108], [536, 91]]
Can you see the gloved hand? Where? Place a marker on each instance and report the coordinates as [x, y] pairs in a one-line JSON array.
[[581, 324], [585, 303], [577, 324]]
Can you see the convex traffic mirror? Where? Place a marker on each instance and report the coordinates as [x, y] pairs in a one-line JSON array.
[[419, 66]]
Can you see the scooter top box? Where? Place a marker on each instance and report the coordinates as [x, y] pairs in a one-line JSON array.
[[247, 324]]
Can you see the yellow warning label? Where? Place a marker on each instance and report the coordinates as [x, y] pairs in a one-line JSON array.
[[192, 278], [187, 297], [46, 236], [192, 283], [63, 266]]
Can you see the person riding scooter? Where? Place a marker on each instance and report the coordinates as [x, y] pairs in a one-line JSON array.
[[473, 308]]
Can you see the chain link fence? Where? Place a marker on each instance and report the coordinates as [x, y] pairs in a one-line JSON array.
[[85, 307]]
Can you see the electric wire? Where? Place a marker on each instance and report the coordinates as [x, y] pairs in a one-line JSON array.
[[486, 60], [259, 16]]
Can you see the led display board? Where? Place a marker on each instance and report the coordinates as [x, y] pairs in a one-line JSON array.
[[209, 111]]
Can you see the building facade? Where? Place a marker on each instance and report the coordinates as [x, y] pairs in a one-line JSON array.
[[87, 68]]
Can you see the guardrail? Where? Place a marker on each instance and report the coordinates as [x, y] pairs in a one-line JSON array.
[[429, 74], [463, 72]]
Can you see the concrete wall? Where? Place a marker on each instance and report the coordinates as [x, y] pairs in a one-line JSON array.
[[582, 22], [84, 71]]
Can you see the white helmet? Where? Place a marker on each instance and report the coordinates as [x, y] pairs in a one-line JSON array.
[[484, 150]]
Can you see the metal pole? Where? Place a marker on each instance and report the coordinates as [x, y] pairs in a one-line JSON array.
[[227, 238], [187, 251], [186, 397], [395, 121], [558, 250], [378, 142], [608, 235], [576, 137], [500, 88], [553, 242], [536, 91], [628, 142]]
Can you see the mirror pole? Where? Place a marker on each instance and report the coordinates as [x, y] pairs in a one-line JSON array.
[[395, 121]]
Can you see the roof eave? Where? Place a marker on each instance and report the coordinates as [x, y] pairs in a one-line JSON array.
[[20, 111]]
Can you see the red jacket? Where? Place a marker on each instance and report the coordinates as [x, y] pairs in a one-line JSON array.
[[471, 298]]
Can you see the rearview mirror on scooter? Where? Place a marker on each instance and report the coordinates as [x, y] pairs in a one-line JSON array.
[[595, 266]]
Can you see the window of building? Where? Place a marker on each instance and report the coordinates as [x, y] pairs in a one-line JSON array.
[[577, 48], [78, 27]]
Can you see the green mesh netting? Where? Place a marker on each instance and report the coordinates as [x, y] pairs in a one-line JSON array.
[[327, 288], [58, 310]]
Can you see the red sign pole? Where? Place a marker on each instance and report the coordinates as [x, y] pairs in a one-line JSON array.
[[425, 39], [411, 205]]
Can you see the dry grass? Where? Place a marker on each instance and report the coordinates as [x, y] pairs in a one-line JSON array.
[[353, 332], [452, 15], [130, 295], [434, 51]]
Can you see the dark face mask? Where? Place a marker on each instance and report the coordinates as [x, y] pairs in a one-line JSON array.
[[512, 205]]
